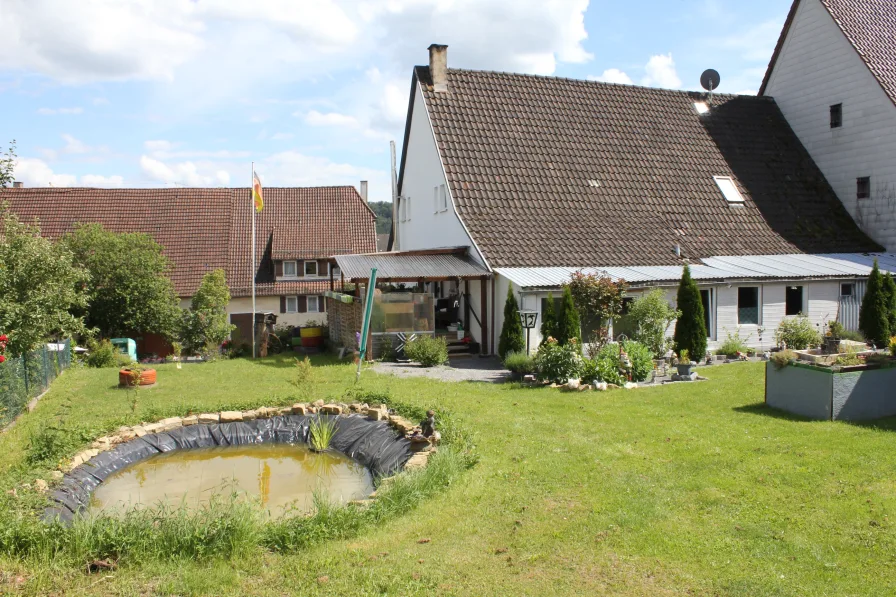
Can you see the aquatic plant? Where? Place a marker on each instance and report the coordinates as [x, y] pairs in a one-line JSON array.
[[321, 433]]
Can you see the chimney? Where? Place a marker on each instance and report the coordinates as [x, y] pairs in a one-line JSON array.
[[364, 190], [18, 185], [438, 66]]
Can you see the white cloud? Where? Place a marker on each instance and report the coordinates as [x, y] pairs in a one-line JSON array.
[[188, 174], [315, 118], [37, 173], [161, 149], [661, 72], [612, 75], [54, 111], [76, 147]]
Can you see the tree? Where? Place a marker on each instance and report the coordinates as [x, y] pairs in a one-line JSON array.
[[652, 315], [599, 301], [568, 324], [205, 324], [8, 165], [512, 331], [39, 287], [548, 320], [129, 289], [874, 319], [690, 329], [383, 211], [890, 289]]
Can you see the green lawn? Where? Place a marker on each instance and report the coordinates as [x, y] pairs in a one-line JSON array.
[[680, 490]]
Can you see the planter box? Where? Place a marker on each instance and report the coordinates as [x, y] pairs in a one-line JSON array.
[[824, 394]]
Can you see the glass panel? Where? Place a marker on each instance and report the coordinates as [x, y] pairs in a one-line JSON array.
[[402, 312], [847, 289], [310, 268], [292, 304], [794, 300], [748, 305], [312, 305], [289, 268]]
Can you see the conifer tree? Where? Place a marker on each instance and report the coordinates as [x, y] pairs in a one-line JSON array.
[[548, 320], [512, 331], [890, 289], [874, 319], [568, 324], [690, 329]]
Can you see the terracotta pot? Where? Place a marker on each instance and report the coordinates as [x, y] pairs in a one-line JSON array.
[[147, 378]]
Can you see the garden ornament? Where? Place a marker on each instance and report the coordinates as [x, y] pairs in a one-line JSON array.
[[428, 425]]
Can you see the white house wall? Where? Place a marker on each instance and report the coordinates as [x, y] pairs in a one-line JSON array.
[[423, 172], [817, 68], [271, 304]]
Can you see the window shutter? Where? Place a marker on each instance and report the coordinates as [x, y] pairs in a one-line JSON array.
[[278, 270], [303, 304], [282, 303], [322, 267], [300, 268]]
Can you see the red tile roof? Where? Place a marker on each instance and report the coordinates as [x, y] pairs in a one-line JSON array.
[[546, 171], [206, 229], [869, 25]]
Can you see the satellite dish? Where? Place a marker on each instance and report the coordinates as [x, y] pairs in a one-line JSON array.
[[709, 80]]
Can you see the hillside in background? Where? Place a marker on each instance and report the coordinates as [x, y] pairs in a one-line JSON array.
[[383, 211]]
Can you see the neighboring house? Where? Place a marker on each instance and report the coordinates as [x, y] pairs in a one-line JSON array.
[[206, 229], [833, 75], [541, 176]]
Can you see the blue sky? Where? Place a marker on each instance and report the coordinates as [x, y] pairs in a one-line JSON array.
[[190, 92]]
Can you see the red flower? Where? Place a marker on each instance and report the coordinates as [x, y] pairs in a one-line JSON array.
[[2, 358]]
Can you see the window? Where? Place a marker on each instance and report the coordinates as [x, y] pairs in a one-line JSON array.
[[863, 187], [701, 107], [311, 268], [748, 305], [836, 116], [729, 189], [793, 299], [706, 299], [289, 268], [847, 290], [292, 304], [314, 304]]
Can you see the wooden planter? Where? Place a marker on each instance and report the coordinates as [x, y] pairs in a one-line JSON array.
[[312, 337], [147, 377]]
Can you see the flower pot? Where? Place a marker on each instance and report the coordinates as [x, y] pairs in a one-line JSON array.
[[685, 368], [147, 377]]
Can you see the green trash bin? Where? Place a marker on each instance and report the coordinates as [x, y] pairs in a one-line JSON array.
[[126, 346]]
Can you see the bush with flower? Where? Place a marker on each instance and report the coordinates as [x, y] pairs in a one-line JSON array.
[[4, 339], [558, 363]]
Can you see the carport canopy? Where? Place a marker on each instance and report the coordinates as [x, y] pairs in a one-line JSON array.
[[430, 265]]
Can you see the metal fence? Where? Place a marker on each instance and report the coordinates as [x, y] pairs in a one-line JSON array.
[[22, 378]]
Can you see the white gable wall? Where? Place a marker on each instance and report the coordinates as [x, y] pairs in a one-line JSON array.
[[427, 228], [817, 68]]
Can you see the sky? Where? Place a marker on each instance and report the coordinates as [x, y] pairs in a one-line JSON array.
[[151, 93]]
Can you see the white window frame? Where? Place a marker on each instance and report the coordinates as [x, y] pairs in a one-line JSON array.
[[316, 268], [758, 304], [308, 300], [852, 285], [729, 189], [440, 198], [804, 300], [295, 270], [295, 304]]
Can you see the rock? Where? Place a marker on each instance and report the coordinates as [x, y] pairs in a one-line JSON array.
[[402, 424], [691, 377], [418, 460], [584, 387], [191, 420], [330, 409], [153, 427], [207, 418], [318, 403], [139, 431], [102, 444], [529, 378], [231, 416], [573, 384], [600, 386], [170, 423], [630, 385], [56, 475], [614, 386], [284, 410], [435, 439], [126, 433], [421, 447], [300, 409], [250, 415], [377, 414], [354, 407], [41, 485]]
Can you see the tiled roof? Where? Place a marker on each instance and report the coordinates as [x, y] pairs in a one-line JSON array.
[[869, 25], [547, 171], [206, 229]]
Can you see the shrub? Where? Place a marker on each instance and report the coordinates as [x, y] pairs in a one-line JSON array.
[[557, 362], [893, 346], [798, 333], [427, 351], [609, 364], [874, 319], [782, 358], [690, 329], [852, 335], [589, 371], [568, 323], [519, 362], [608, 371], [548, 320], [732, 345], [652, 315], [103, 354], [511, 339], [49, 444]]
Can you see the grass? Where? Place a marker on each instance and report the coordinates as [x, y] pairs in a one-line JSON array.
[[679, 490]]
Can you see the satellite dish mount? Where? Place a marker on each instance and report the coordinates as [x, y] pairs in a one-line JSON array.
[[709, 80]]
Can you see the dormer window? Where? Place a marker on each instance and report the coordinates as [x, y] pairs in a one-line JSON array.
[[289, 269], [311, 268], [729, 189], [836, 116]]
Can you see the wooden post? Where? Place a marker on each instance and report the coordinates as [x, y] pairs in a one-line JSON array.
[[483, 288], [331, 277], [420, 284]]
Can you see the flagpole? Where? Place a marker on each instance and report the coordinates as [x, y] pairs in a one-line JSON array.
[[252, 207]]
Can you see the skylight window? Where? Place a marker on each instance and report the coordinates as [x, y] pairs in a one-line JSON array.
[[729, 189], [701, 107]]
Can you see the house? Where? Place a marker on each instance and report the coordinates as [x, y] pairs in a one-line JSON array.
[[833, 76], [538, 177], [203, 229]]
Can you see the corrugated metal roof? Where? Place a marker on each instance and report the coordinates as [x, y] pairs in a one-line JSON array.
[[834, 265], [404, 266]]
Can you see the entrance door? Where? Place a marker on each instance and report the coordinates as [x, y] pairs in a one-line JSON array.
[[706, 299]]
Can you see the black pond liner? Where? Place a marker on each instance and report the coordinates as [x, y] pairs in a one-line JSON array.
[[374, 444]]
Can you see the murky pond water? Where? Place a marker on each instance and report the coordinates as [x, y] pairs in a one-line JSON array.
[[282, 476]]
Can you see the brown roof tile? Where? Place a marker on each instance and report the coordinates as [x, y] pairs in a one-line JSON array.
[[548, 171], [206, 229]]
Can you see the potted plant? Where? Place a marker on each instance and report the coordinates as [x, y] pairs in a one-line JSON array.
[[127, 376], [685, 366]]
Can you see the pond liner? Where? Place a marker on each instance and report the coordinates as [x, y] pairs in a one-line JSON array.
[[373, 444]]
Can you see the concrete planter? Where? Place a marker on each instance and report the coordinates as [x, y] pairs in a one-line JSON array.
[[821, 393]]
